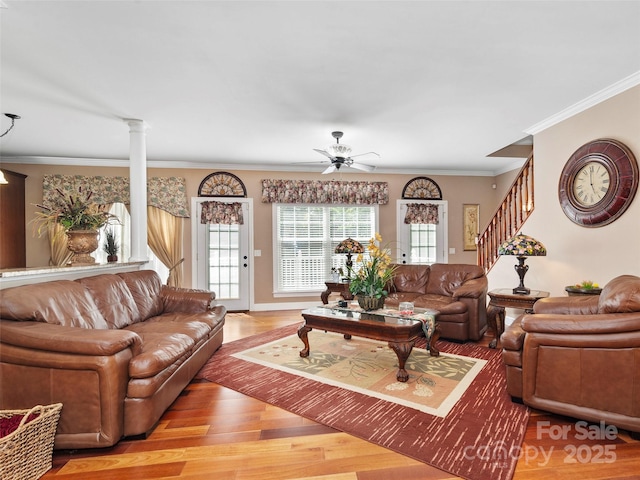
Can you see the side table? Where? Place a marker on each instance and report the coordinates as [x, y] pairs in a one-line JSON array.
[[505, 298], [339, 287]]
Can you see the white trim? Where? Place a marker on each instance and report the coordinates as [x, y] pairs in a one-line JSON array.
[[22, 276], [592, 100]]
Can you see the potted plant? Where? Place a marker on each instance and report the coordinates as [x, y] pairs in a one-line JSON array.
[[369, 282], [111, 246], [80, 219]]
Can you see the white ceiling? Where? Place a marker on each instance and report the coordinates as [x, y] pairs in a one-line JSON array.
[[432, 86]]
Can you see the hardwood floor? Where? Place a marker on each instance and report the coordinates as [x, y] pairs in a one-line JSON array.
[[211, 432]]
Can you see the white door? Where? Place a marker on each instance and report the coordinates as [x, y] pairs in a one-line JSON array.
[[422, 243], [223, 260]]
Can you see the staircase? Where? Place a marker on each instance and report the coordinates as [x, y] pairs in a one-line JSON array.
[[509, 217]]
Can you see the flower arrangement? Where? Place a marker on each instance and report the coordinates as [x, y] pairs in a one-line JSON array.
[[522, 246], [375, 273], [73, 212], [587, 285]]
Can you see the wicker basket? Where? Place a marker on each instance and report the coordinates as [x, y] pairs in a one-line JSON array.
[[25, 453]]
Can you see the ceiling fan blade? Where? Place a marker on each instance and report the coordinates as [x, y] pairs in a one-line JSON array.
[[368, 153], [326, 154], [362, 166], [331, 168]]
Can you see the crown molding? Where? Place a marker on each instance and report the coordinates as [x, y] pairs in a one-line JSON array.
[[592, 100], [114, 162]]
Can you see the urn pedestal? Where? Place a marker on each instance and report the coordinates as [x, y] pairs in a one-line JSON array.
[[82, 243]]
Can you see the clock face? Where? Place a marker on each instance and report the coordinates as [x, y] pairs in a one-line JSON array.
[[222, 184], [598, 183], [591, 184], [422, 187]]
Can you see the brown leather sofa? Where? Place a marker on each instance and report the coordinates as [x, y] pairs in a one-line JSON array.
[[457, 291], [115, 350], [579, 356]]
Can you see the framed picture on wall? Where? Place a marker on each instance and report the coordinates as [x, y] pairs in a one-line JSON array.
[[470, 217]]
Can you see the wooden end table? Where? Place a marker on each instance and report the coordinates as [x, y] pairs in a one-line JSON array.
[[505, 298], [339, 287]]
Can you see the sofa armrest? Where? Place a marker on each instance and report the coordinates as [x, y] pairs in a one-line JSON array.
[[186, 300], [582, 324], [578, 305], [513, 336], [86, 370], [72, 340], [474, 288]]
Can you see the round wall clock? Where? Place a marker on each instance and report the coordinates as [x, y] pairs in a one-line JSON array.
[[222, 184], [598, 183], [423, 188]]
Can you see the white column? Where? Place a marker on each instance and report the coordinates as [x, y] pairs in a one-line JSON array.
[[138, 189]]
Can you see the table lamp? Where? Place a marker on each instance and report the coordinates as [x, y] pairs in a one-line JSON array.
[[349, 246], [522, 246]]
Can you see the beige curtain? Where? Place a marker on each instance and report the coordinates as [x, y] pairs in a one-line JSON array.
[[60, 254], [164, 232]]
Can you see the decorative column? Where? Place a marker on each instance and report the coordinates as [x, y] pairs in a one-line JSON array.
[[138, 189]]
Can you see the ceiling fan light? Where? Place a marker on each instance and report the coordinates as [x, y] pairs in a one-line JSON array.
[[339, 150]]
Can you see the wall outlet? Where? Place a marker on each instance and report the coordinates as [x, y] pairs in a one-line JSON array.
[[452, 251], [257, 253]]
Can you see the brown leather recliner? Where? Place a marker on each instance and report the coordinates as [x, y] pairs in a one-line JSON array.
[[580, 356]]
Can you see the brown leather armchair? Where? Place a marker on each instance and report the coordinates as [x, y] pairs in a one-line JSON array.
[[580, 356]]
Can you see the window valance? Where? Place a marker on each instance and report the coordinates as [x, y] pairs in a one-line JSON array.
[[166, 193], [222, 213], [421, 213], [317, 191]]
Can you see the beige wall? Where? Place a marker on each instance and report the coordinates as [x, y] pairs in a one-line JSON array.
[[457, 190], [576, 253]]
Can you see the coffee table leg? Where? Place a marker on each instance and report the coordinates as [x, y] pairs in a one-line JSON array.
[[302, 334], [403, 350]]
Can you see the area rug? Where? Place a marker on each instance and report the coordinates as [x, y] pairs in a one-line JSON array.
[[480, 437], [435, 383]]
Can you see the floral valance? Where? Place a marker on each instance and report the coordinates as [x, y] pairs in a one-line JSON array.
[[316, 191], [421, 213], [166, 193], [222, 213]]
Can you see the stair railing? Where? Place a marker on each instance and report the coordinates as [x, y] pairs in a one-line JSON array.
[[508, 218]]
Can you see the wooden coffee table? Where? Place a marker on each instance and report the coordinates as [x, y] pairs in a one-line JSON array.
[[401, 333]]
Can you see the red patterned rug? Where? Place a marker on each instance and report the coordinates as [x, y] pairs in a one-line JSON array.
[[480, 437]]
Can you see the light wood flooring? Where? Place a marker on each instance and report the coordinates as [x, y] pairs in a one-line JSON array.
[[211, 432]]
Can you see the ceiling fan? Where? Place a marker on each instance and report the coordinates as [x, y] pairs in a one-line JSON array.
[[340, 155]]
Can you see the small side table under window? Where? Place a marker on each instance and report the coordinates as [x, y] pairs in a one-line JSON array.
[[339, 287], [505, 298]]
